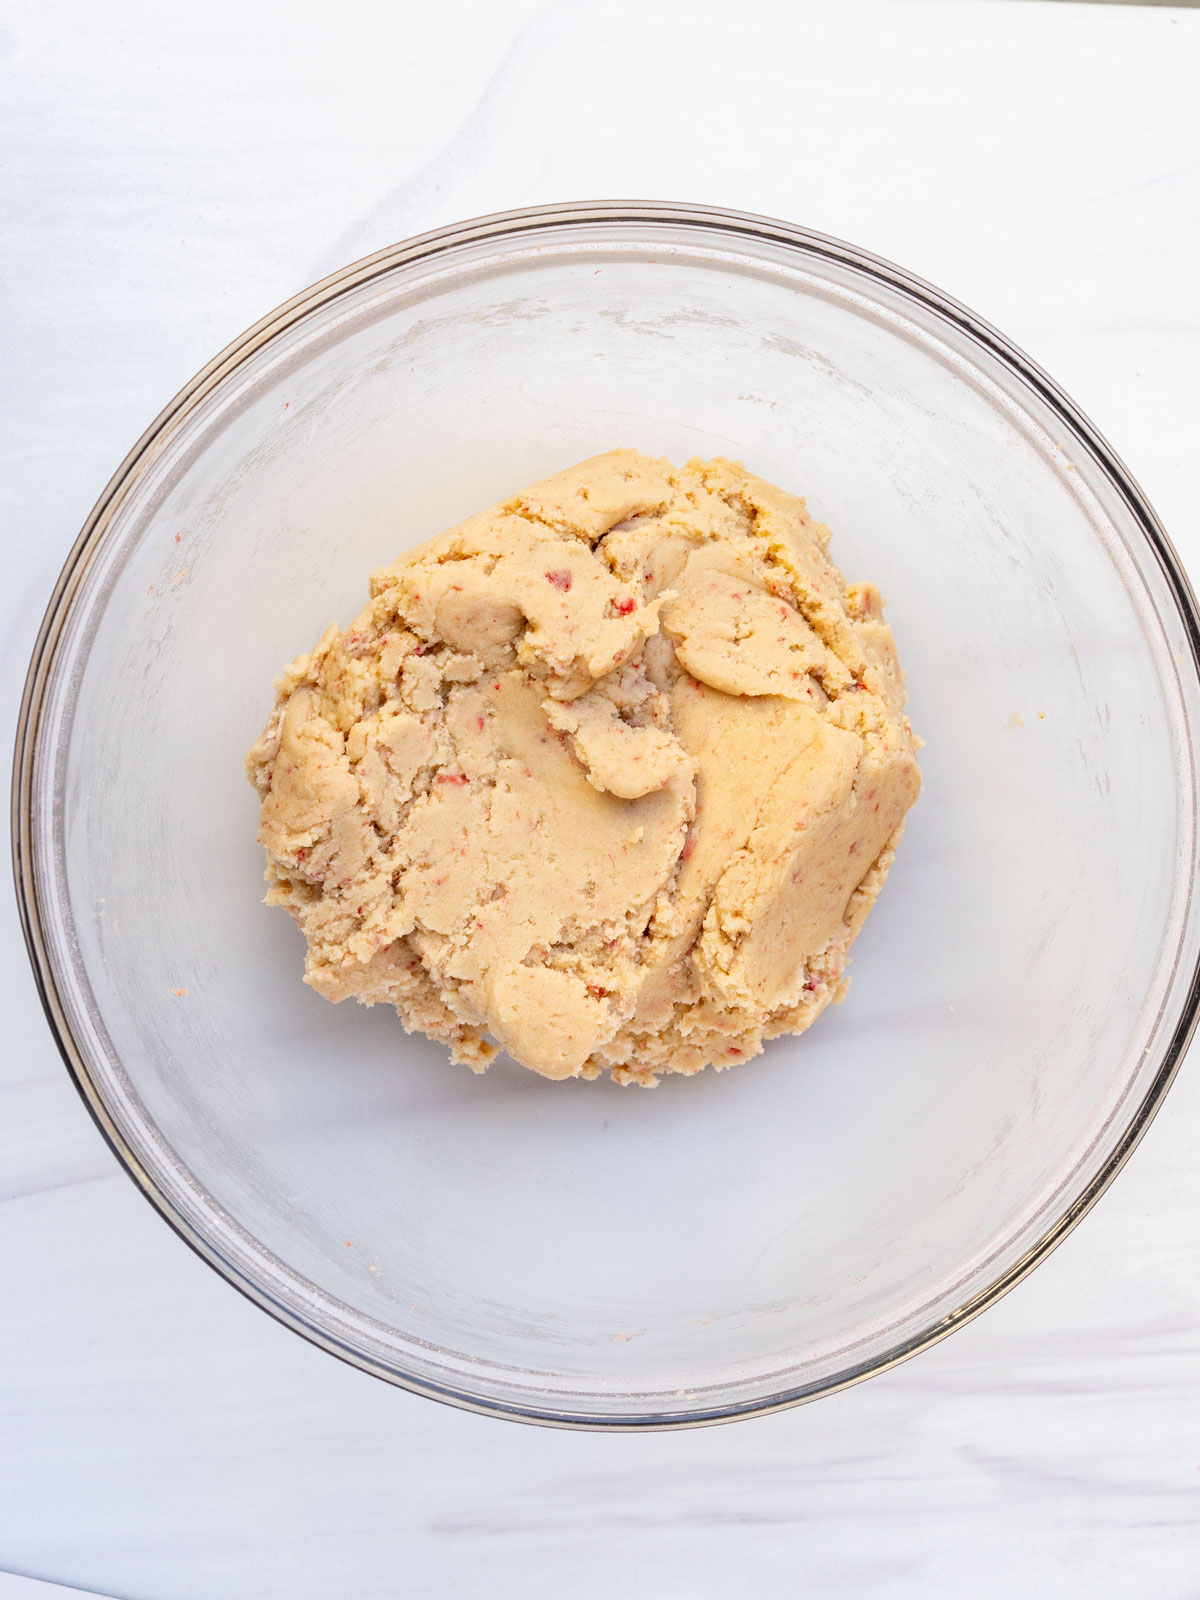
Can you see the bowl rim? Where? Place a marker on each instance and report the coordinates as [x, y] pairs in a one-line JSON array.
[[518, 226]]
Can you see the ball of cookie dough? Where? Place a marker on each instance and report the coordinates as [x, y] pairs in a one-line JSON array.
[[608, 776]]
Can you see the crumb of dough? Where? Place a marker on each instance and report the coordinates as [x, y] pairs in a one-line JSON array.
[[608, 776]]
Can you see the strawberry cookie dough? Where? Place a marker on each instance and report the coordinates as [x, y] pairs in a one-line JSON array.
[[608, 776]]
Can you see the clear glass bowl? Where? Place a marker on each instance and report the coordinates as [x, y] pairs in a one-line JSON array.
[[578, 1253]]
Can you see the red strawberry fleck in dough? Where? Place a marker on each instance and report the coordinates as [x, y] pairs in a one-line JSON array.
[[608, 776]]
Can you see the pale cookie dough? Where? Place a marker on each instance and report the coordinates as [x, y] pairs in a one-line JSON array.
[[610, 774]]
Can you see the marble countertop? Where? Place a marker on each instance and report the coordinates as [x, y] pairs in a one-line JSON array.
[[172, 173]]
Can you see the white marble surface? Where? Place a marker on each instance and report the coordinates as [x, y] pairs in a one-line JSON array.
[[170, 174]]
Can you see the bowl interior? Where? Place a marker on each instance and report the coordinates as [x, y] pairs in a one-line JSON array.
[[578, 1249]]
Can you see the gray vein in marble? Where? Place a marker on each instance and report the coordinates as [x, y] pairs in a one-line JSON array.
[[60, 1178], [25, 1586], [398, 213]]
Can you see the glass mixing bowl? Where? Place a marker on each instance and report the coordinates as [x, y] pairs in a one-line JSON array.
[[576, 1252]]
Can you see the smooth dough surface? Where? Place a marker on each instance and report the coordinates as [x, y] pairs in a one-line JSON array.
[[608, 775]]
